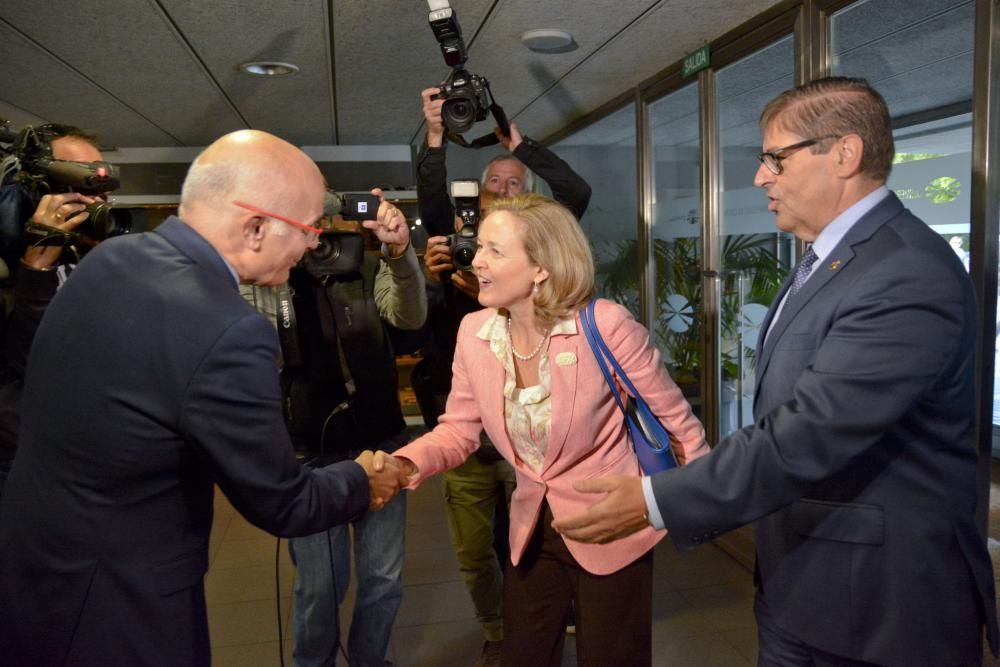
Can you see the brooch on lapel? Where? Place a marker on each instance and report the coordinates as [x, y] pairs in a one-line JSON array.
[[565, 359], [835, 264]]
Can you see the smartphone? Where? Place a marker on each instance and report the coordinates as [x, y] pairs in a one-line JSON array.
[[358, 207]]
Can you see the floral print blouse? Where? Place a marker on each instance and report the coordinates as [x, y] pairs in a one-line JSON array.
[[527, 410]]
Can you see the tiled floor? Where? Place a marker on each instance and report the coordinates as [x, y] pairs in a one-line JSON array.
[[702, 610], [701, 614]]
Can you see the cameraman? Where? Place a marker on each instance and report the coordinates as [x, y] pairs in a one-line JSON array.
[[37, 279], [477, 488], [505, 175], [341, 397]]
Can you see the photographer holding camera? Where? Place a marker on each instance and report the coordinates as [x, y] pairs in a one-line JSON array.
[[474, 490], [37, 273], [340, 392], [505, 175]]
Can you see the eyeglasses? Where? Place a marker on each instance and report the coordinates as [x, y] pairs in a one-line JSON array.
[[267, 214], [772, 159]]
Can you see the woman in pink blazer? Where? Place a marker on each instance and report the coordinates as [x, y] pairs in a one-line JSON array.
[[525, 373]]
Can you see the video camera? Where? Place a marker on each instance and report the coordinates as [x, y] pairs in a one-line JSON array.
[[28, 171], [463, 242], [341, 249], [468, 97]]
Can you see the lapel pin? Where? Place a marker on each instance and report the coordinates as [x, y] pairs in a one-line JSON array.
[[565, 359], [834, 265]]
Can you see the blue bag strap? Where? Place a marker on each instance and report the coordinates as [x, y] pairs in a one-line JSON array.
[[599, 348], [658, 455], [599, 341]]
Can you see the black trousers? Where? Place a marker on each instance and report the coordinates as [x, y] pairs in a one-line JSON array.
[[613, 612]]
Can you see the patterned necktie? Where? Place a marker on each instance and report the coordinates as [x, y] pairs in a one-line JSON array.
[[802, 272]]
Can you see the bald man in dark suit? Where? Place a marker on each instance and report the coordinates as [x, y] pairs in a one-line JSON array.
[[150, 381]]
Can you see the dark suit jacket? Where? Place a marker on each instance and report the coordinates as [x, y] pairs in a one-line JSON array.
[[150, 379], [861, 461]]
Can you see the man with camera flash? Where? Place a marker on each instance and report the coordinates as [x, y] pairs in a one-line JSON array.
[[506, 175]]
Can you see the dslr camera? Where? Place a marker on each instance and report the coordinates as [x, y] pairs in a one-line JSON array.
[[463, 242], [467, 97], [466, 100], [341, 248]]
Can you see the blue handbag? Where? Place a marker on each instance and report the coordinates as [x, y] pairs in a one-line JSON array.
[[649, 439]]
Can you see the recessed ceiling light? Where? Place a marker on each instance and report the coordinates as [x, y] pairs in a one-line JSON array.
[[548, 40], [269, 68]]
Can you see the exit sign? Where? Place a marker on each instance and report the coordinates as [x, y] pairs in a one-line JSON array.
[[695, 62]]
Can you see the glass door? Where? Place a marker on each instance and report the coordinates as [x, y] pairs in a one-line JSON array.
[[755, 255], [676, 237], [604, 154]]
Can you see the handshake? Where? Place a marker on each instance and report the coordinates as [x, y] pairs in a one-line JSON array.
[[386, 476]]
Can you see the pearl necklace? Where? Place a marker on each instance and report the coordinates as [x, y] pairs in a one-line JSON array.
[[528, 357]]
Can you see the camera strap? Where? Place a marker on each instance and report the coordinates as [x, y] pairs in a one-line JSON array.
[[287, 328], [45, 235], [487, 139], [325, 305]]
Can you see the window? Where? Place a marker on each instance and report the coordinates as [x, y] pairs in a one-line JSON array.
[[755, 256], [604, 154], [676, 325]]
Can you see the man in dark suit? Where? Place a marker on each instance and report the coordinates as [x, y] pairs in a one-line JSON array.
[[150, 380], [860, 467]]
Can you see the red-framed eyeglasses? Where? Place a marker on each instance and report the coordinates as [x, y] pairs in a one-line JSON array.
[[268, 214]]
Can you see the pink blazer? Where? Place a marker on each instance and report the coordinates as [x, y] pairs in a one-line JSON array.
[[587, 438]]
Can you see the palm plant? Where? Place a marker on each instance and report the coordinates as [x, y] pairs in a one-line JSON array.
[[678, 326]]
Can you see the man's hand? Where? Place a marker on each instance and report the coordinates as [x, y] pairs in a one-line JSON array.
[[432, 117], [511, 142], [403, 466], [437, 261], [63, 211], [383, 483], [437, 257], [619, 514], [389, 226]]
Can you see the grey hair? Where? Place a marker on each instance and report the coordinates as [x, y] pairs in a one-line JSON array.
[[529, 176]]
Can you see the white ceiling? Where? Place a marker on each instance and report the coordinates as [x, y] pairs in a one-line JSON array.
[[164, 73]]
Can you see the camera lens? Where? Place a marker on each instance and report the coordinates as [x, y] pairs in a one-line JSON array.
[[458, 114], [338, 254], [328, 248], [105, 221], [464, 248], [463, 257]]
